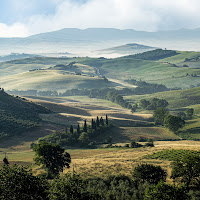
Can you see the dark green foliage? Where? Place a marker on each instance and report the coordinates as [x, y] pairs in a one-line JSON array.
[[97, 121], [173, 123], [85, 126], [173, 154], [153, 55], [101, 121], [109, 140], [147, 88], [187, 170], [78, 138], [5, 161], [163, 191], [135, 145], [153, 104], [149, 143], [69, 187], [116, 188], [71, 129], [18, 183], [134, 107], [189, 113], [159, 115], [149, 173], [18, 115], [182, 115], [84, 139], [52, 157], [78, 130]]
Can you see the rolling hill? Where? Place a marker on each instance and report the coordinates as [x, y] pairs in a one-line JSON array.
[[126, 49], [17, 115], [170, 68]]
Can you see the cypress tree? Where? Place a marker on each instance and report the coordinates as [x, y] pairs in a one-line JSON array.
[[106, 120], [66, 130], [95, 126], [97, 121], [85, 126], [101, 121], [78, 129], [92, 124], [71, 129]]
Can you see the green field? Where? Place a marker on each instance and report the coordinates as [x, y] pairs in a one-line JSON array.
[[16, 75]]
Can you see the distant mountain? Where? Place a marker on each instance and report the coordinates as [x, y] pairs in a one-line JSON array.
[[127, 49], [80, 41]]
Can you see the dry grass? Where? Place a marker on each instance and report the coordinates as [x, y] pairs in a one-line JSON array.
[[123, 161], [105, 162]]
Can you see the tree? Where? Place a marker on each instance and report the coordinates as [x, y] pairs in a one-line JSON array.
[[85, 126], [69, 186], [135, 144], [189, 113], [5, 160], [19, 183], [134, 107], [52, 157], [101, 121], [84, 138], [149, 173], [173, 123], [162, 191], [182, 115], [97, 121], [187, 170], [78, 129], [71, 129], [106, 119], [144, 103], [159, 115]]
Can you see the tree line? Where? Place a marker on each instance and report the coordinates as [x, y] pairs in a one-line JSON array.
[[81, 136]]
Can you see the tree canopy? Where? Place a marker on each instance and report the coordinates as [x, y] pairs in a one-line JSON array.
[[52, 157], [19, 183], [173, 123]]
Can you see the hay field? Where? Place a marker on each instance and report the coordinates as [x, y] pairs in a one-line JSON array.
[[105, 162]]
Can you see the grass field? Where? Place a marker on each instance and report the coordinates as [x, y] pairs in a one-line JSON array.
[[105, 162], [16, 75], [176, 99]]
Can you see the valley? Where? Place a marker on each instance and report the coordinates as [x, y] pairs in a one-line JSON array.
[[61, 94]]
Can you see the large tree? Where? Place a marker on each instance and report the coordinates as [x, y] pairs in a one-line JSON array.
[[52, 157], [19, 183], [149, 173], [173, 123], [159, 115], [187, 170]]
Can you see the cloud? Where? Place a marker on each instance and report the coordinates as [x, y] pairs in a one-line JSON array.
[[148, 15], [15, 30]]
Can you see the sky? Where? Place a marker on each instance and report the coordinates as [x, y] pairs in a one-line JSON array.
[[21, 18]]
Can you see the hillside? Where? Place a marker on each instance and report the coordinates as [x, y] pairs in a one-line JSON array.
[[175, 70], [176, 99], [18, 115], [126, 49]]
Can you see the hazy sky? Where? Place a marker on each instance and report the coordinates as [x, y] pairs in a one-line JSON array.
[[27, 17]]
